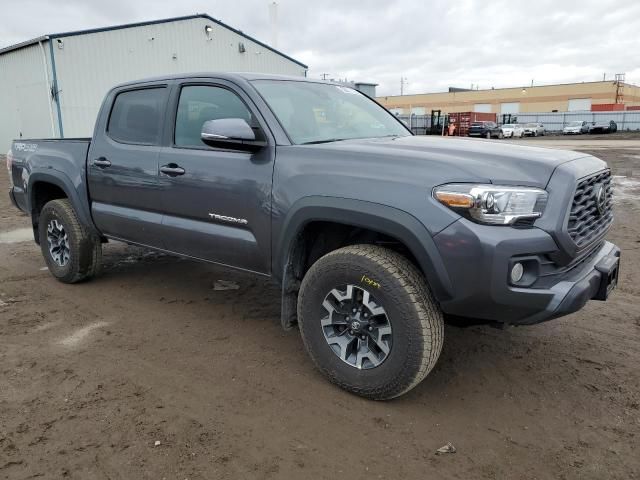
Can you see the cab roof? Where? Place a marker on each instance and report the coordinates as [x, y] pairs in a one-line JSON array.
[[237, 77]]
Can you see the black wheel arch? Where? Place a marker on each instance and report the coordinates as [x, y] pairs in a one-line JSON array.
[[288, 264], [56, 182]]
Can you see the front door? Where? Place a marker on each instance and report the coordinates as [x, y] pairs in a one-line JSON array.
[[216, 202], [123, 167]]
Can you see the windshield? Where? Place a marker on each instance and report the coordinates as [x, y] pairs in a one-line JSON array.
[[531, 125], [508, 125], [318, 112], [575, 124]]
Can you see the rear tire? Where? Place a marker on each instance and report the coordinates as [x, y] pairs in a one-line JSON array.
[[411, 336], [71, 251]]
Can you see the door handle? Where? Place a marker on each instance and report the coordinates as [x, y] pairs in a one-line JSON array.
[[102, 162], [172, 170]]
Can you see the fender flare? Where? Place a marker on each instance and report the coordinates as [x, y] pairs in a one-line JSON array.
[[390, 221], [62, 181]]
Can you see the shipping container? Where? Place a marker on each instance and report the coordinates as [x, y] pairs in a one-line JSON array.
[[462, 120], [607, 107]]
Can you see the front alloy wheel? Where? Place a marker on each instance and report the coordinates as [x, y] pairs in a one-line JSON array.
[[356, 327], [369, 321]]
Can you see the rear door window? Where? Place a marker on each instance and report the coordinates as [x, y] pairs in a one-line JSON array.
[[136, 116]]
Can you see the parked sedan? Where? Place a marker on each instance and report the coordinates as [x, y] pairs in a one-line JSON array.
[[533, 129], [485, 129], [603, 127], [512, 130], [576, 128]]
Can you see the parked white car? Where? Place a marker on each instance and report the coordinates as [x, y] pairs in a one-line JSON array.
[[512, 130], [576, 128], [533, 129]]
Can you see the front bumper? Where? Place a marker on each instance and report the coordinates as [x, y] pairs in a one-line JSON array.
[[478, 260]]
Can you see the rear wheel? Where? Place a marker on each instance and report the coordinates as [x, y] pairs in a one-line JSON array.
[[369, 321], [71, 252]]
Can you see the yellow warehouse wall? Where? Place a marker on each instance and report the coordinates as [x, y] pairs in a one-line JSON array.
[[532, 99]]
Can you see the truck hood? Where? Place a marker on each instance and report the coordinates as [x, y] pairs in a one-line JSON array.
[[444, 160]]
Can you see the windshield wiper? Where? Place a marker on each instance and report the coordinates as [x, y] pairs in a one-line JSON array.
[[329, 140]]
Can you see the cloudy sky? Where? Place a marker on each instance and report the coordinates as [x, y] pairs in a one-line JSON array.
[[434, 44]]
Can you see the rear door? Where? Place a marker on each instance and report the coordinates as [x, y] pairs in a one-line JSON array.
[[123, 165], [217, 202]]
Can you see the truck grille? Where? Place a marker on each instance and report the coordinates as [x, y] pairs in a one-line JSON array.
[[587, 222]]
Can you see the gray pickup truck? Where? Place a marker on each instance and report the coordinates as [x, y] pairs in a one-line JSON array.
[[375, 235]]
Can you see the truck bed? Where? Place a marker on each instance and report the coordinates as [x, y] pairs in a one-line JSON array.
[[30, 157]]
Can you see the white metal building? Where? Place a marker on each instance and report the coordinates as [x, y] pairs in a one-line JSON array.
[[52, 86]]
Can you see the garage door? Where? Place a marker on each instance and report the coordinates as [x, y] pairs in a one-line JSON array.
[[513, 107], [482, 107], [579, 104]]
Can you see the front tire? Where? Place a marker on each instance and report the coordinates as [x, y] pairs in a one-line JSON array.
[[71, 251], [369, 321]]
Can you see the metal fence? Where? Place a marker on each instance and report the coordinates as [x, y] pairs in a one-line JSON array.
[[553, 122], [626, 120], [419, 124]]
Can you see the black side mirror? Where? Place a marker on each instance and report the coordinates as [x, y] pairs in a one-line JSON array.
[[232, 134]]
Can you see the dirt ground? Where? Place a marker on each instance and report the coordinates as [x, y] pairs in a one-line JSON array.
[[93, 376]]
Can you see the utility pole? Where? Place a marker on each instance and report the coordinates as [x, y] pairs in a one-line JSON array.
[[619, 87], [403, 82]]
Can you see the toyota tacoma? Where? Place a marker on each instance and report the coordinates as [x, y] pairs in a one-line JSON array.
[[375, 235]]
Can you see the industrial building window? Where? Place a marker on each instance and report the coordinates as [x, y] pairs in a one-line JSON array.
[[136, 116], [199, 104]]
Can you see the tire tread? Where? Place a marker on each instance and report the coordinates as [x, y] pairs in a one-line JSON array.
[[428, 313], [87, 258]]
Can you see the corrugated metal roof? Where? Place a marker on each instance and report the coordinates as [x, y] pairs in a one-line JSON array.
[[24, 44], [141, 24]]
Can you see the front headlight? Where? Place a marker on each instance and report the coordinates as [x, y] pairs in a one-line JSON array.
[[492, 204]]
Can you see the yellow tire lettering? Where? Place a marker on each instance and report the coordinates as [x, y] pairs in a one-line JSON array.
[[372, 283]]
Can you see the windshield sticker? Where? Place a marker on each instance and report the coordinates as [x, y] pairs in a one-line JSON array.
[[347, 90]]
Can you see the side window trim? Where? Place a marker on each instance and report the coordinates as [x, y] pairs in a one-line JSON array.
[[162, 115], [203, 83]]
